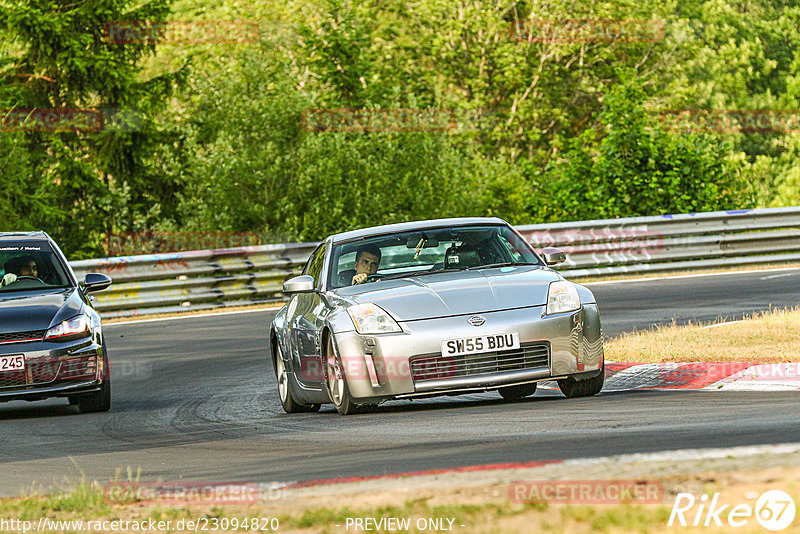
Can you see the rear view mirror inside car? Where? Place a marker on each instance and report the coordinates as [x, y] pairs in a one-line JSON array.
[[422, 242]]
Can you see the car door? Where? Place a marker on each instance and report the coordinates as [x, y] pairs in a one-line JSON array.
[[306, 322]]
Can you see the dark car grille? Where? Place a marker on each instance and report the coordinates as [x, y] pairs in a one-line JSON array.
[[12, 378], [34, 374], [78, 368], [22, 336], [42, 373], [436, 366]]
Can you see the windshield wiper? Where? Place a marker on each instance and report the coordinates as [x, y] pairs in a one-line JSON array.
[[419, 273], [502, 264], [12, 289]]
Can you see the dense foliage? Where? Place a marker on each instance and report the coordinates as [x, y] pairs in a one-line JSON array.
[[569, 127]]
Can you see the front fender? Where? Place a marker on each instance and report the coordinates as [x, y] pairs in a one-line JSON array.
[[339, 321], [586, 295], [278, 332]]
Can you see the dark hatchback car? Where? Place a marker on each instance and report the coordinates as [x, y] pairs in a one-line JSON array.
[[51, 343]]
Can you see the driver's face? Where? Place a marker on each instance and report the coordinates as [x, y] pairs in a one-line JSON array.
[[29, 269], [367, 263]]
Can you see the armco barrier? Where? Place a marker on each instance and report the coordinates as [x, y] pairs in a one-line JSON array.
[[672, 242], [201, 279], [195, 280]]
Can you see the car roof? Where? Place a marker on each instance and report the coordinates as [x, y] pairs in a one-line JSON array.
[[16, 236], [415, 225]]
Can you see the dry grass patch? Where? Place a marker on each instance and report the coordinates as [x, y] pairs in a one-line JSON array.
[[766, 337], [480, 509]]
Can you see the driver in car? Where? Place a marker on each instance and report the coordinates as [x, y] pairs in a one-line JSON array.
[[20, 266], [368, 258]]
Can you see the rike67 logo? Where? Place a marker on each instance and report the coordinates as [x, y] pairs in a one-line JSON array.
[[774, 510]]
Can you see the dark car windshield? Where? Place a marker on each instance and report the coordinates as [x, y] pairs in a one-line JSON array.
[[30, 266], [420, 252]]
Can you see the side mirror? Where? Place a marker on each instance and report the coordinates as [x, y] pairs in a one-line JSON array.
[[299, 284], [95, 282], [554, 256]]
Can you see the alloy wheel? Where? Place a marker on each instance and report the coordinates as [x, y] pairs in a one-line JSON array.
[[283, 380], [335, 376]]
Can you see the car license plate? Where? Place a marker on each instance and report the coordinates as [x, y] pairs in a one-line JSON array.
[[12, 363], [478, 344]]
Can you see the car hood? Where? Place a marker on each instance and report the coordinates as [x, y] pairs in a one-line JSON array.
[[456, 293], [22, 312]]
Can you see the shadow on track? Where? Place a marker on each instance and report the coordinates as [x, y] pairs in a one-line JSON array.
[[442, 403], [36, 411]]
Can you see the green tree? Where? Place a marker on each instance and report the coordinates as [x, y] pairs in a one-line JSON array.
[[635, 168], [59, 59], [254, 167]]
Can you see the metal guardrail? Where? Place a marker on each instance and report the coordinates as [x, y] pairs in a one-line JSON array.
[[195, 280], [203, 279], [672, 242]]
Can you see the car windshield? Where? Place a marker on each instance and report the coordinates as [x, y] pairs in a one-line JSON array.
[[30, 266], [421, 252]]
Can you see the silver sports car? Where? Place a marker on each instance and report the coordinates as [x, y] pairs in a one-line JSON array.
[[429, 308]]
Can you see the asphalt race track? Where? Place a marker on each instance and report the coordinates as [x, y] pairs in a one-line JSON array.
[[196, 399], [700, 298]]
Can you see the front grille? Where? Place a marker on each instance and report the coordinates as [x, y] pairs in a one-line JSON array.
[[35, 374], [435, 366], [12, 378], [43, 373], [22, 336]]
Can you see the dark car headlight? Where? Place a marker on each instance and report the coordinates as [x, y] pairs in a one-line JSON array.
[[75, 328]]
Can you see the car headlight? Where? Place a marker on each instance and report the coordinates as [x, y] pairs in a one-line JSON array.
[[372, 319], [562, 297], [74, 328]]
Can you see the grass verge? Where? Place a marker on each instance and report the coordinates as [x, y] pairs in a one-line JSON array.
[[468, 509], [766, 337]]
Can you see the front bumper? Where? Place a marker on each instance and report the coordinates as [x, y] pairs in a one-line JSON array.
[[53, 369], [382, 366]]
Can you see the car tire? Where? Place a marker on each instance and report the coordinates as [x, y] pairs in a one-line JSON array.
[[511, 393], [572, 388], [99, 401], [336, 383], [289, 404]]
